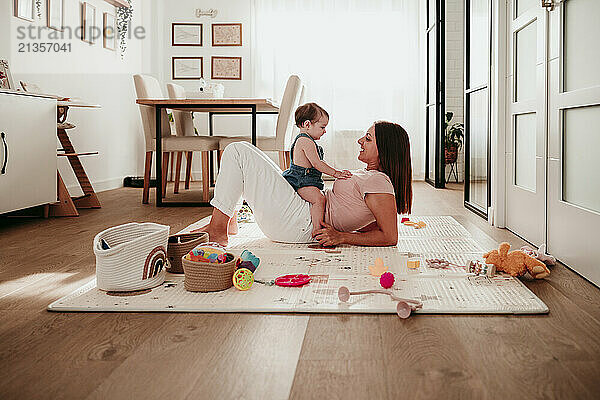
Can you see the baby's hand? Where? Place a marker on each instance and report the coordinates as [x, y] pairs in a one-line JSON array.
[[345, 174]]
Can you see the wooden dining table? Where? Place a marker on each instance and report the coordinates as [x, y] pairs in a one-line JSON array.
[[213, 106]]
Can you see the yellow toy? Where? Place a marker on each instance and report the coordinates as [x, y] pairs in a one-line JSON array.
[[516, 263], [378, 269], [416, 225]]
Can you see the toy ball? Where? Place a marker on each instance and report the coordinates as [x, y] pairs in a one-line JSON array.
[[243, 279], [387, 280]]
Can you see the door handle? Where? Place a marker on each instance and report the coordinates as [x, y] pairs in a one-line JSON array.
[[5, 145], [549, 5]]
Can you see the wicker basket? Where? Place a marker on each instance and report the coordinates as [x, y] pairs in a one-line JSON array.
[[451, 154], [180, 245], [207, 277], [136, 258]]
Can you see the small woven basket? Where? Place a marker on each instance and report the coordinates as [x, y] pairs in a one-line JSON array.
[[180, 245], [207, 277]]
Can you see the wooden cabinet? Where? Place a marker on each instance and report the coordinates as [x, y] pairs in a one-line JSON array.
[[28, 146]]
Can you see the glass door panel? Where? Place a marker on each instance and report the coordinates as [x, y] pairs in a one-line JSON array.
[[479, 43], [581, 175], [525, 135], [582, 64], [478, 149], [524, 5], [434, 105], [525, 61], [477, 105]]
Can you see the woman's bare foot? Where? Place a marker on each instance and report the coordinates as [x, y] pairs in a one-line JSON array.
[[218, 237], [232, 226], [217, 228], [201, 229]]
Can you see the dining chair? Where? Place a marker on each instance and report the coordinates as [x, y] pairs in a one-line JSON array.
[[184, 126], [283, 128], [295, 130], [148, 87]]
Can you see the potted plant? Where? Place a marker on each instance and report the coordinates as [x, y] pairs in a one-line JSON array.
[[453, 138]]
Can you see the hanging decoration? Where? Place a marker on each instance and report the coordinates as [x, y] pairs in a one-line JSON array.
[[124, 16], [38, 8], [206, 13]]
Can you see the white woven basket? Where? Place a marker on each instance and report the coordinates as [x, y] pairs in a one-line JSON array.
[[136, 259]]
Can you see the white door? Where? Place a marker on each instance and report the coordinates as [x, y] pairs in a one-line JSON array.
[[526, 124], [574, 136]]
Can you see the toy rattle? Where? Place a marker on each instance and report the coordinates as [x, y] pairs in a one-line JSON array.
[[243, 279], [403, 308], [473, 266]]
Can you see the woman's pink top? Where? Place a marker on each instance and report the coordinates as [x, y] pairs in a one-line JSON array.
[[346, 209]]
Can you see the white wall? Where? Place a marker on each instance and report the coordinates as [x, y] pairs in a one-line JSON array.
[[230, 11], [94, 74], [455, 70], [233, 11]]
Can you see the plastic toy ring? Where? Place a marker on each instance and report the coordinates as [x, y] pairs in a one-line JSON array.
[[292, 280], [243, 279]]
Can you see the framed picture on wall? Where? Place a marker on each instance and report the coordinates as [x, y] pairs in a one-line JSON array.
[[183, 34], [226, 34], [226, 68], [6, 81], [109, 32], [187, 67], [55, 14], [24, 9], [88, 22]]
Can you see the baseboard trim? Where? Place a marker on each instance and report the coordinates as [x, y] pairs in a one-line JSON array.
[[100, 186]]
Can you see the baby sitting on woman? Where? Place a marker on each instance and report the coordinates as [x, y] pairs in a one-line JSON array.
[[307, 166]]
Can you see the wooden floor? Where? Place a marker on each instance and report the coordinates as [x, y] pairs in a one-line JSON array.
[[276, 356]]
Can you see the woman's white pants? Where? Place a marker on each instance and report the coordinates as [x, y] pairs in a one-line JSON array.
[[248, 173]]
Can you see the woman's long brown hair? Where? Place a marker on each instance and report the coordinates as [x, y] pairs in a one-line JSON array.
[[393, 146]]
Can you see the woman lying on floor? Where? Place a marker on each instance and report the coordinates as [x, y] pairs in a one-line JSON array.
[[361, 210]]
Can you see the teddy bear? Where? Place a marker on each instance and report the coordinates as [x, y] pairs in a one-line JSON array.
[[516, 263]]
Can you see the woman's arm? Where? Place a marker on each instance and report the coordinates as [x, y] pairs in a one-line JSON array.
[[383, 207]]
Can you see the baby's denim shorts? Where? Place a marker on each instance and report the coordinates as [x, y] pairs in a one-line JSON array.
[[300, 177]]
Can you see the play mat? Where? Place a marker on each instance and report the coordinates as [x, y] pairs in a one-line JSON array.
[[441, 291]]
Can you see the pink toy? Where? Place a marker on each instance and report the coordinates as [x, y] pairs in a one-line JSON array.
[[292, 280], [540, 254], [403, 308], [387, 280]]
